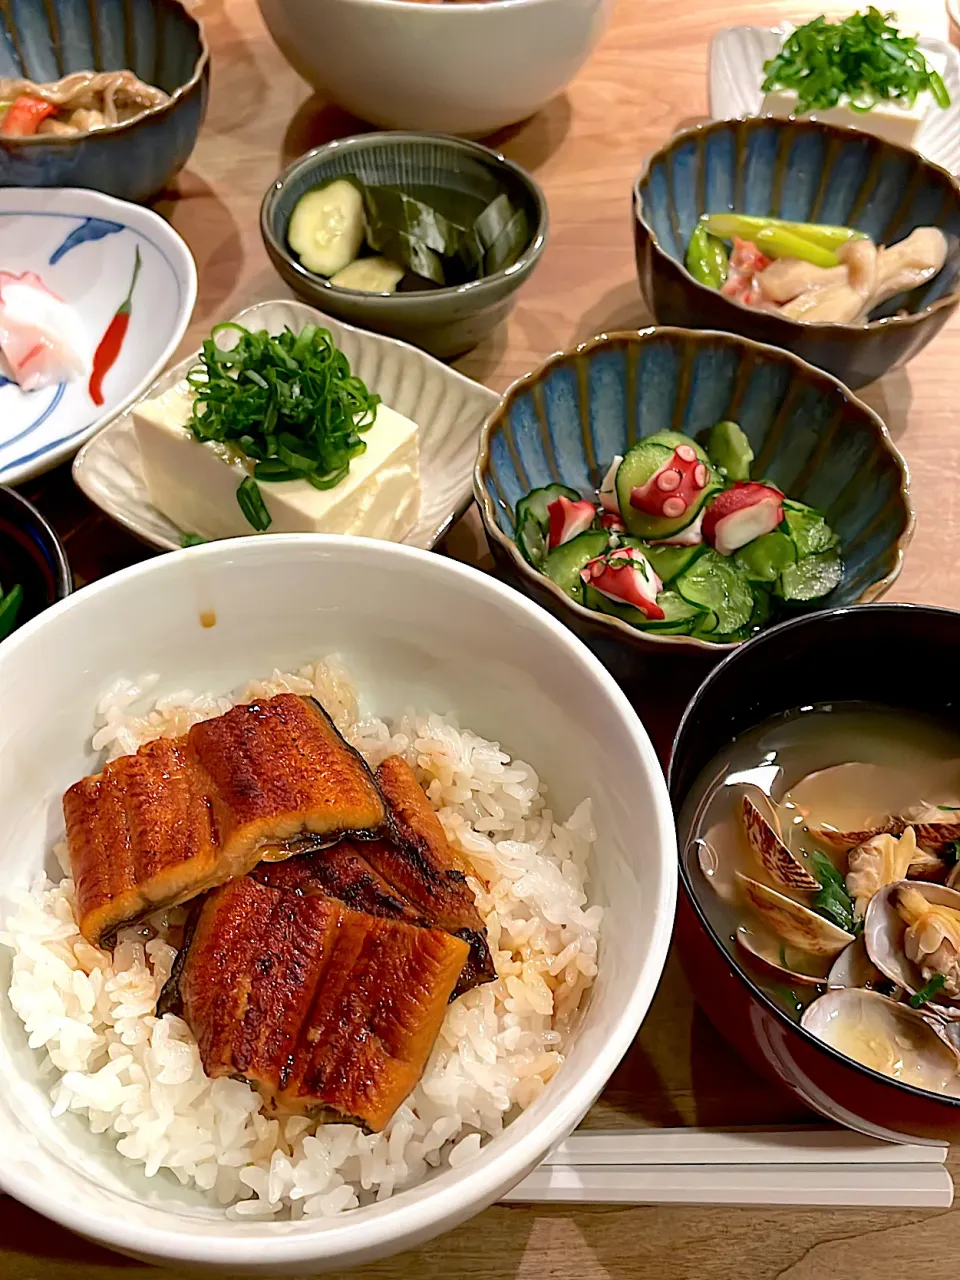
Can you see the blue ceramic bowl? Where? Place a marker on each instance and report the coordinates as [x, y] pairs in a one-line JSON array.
[[31, 556], [804, 172], [446, 322], [810, 436], [159, 40]]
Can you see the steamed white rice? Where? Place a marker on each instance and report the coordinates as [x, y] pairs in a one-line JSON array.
[[139, 1079]]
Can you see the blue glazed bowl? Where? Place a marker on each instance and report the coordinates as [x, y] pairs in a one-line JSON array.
[[565, 422], [801, 171], [159, 40]]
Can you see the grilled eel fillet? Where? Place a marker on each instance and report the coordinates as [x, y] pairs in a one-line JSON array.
[[413, 875], [326, 1011], [418, 862], [186, 814]]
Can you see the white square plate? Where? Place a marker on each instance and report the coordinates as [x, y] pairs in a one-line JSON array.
[[737, 55], [448, 408]]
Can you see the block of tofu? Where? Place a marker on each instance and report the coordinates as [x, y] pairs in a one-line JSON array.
[[195, 485], [893, 121]]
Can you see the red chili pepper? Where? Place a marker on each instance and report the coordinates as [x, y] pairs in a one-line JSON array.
[[24, 116], [112, 340]]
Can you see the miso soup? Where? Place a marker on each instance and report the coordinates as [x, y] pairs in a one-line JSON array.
[[822, 847]]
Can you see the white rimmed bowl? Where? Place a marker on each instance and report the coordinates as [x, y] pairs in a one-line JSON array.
[[447, 68], [414, 628], [449, 409], [83, 246]]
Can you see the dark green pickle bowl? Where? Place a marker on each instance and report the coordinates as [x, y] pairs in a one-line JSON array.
[[804, 172], [564, 422], [445, 321]]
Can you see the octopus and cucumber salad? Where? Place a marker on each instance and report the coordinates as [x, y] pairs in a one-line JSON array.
[[680, 540]]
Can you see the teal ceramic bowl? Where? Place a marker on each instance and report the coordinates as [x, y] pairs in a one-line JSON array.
[[805, 172], [811, 437], [446, 322], [159, 40]]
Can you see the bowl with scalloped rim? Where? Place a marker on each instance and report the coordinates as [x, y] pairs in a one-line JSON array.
[[811, 437]]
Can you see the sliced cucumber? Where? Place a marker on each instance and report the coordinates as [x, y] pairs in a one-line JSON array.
[[765, 558], [811, 577], [729, 449], [666, 562], [673, 438], [369, 275], [718, 584], [564, 563], [326, 227], [646, 457], [808, 529], [679, 615], [532, 520]]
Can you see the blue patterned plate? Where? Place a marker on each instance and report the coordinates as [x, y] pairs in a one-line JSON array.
[[84, 247]]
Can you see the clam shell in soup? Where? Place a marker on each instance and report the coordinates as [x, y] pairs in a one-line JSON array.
[[795, 923], [886, 1036]]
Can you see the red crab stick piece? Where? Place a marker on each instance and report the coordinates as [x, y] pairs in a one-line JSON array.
[[738, 515], [611, 521], [627, 577], [672, 488], [568, 519]]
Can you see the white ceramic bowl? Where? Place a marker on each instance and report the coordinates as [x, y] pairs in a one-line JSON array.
[[446, 67], [415, 628], [83, 246]]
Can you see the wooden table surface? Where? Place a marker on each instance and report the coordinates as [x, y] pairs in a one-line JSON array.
[[646, 79]]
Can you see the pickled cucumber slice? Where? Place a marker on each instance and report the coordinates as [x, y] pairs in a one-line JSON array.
[[326, 227], [716, 583], [730, 450], [666, 562], [812, 577], [564, 563], [369, 275]]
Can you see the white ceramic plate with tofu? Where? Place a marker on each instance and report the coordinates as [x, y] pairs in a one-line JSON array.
[[447, 408], [737, 55]]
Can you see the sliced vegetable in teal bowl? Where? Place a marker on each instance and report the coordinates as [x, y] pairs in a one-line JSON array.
[[690, 487]]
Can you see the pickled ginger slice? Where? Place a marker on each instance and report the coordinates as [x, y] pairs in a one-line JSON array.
[[41, 337]]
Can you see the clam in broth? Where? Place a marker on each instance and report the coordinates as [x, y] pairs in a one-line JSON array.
[[820, 845]]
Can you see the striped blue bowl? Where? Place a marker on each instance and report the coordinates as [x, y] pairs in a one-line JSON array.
[[159, 40], [806, 172], [565, 422]]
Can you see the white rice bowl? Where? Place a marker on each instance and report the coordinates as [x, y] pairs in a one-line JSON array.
[[137, 1079]]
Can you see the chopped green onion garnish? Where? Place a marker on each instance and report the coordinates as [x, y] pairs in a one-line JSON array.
[[253, 506], [191, 540], [289, 403], [864, 59], [928, 992], [833, 902]]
